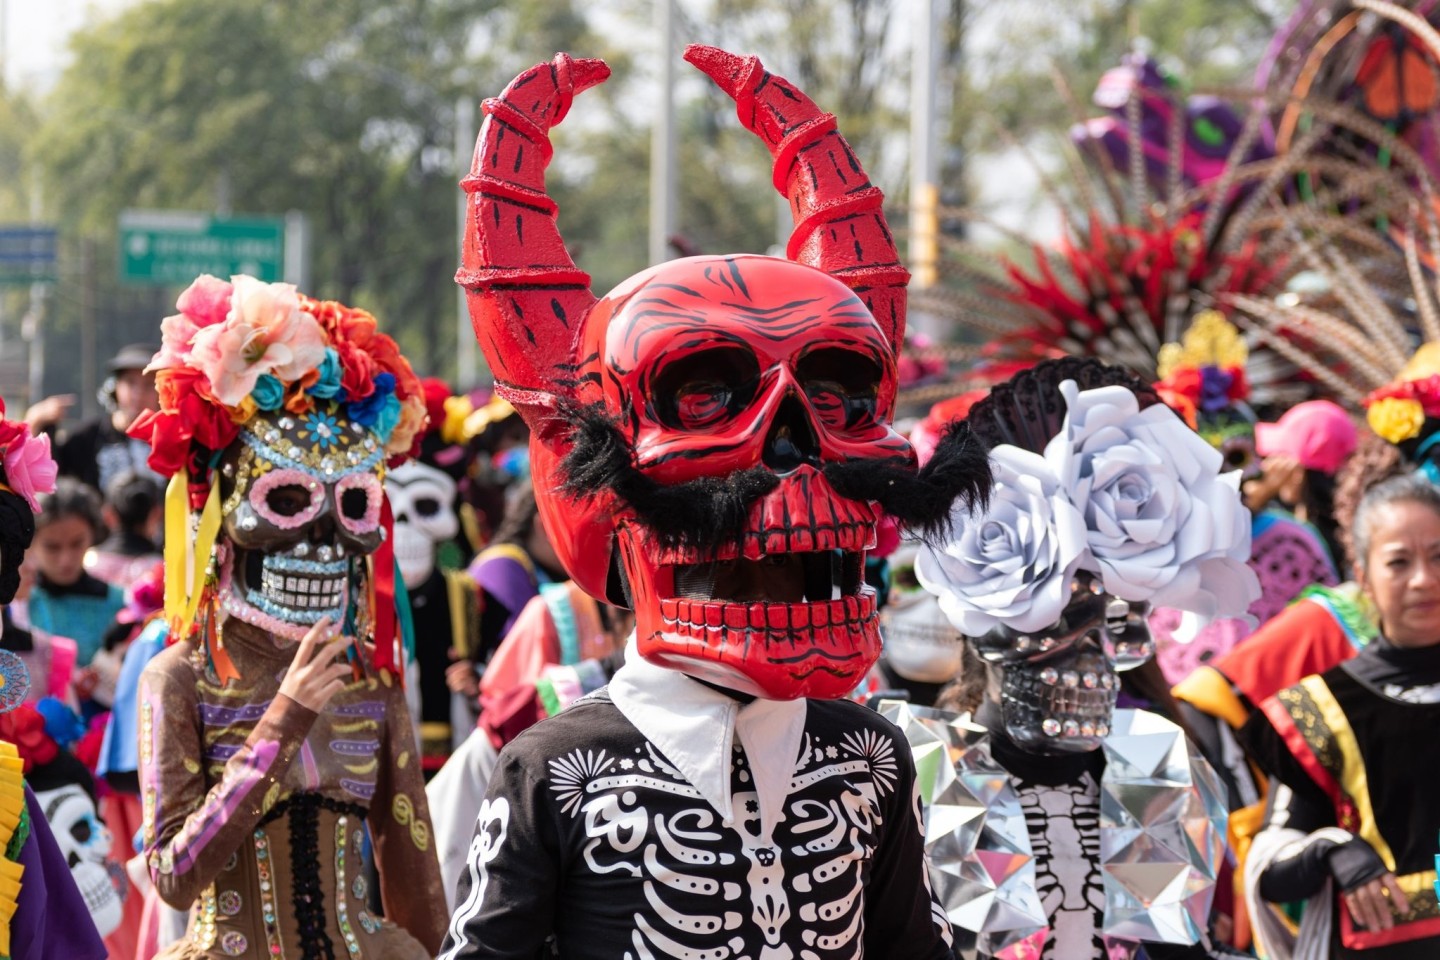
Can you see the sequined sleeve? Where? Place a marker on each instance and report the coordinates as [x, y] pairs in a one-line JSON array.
[[191, 827], [410, 883]]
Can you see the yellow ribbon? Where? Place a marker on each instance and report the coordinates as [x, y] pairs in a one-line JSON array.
[[186, 560]]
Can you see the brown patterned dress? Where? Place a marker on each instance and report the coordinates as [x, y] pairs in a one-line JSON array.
[[256, 808]]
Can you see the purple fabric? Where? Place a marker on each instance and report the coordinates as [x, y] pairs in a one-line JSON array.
[[507, 580], [51, 919]]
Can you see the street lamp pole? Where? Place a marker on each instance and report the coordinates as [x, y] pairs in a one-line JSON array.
[[467, 365], [663, 188]]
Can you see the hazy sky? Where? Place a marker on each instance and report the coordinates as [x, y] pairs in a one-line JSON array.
[[34, 33]]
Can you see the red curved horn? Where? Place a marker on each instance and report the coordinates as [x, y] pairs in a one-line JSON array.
[[526, 296], [839, 222]]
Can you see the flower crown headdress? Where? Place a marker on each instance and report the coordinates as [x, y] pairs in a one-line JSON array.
[[1132, 495], [240, 347]]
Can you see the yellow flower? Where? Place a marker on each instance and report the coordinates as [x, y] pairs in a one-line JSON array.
[[1425, 363], [1396, 419], [456, 410], [244, 410]]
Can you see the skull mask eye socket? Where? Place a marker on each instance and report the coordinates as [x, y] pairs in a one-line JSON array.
[[843, 387], [707, 388], [288, 501], [358, 495], [287, 498], [427, 506]]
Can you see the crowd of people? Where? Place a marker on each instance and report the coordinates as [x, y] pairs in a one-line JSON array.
[[700, 635]]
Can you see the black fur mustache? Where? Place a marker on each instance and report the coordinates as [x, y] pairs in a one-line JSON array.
[[922, 500], [704, 513], [712, 511]]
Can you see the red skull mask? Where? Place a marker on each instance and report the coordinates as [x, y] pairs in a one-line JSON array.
[[704, 372]]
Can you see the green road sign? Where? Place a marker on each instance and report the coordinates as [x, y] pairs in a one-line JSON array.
[[173, 247]]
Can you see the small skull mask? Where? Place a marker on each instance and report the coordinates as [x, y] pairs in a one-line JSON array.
[[302, 501], [1058, 688], [422, 500], [85, 844]]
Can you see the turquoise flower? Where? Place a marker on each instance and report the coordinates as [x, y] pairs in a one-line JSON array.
[[322, 429], [389, 416], [269, 392], [329, 383]]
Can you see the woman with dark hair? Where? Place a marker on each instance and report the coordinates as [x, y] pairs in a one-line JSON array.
[[133, 513], [68, 600], [1352, 826]]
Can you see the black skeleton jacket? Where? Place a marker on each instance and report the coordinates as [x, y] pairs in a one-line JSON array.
[[592, 838]]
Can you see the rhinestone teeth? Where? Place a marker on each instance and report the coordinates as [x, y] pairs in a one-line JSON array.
[[1070, 678], [1090, 680], [1051, 726], [1050, 676]]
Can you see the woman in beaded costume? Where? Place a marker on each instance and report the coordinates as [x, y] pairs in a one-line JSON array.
[[273, 732]]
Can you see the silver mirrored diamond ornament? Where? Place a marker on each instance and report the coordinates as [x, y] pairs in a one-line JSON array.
[[1162, 832], [976, 841]]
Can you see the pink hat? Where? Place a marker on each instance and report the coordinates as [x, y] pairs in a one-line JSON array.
[[1317, 433]]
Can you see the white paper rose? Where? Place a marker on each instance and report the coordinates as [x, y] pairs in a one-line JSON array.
[[1162, 523], [1011, 564]]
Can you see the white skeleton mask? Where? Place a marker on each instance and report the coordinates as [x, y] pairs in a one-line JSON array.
[[920, 643], [422, 499], [85, 842]]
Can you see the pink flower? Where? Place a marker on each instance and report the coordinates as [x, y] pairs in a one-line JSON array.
[[205, 303], [265, 332], [29, 468], [207, 300]]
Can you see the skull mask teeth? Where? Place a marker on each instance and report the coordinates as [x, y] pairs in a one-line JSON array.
[[793, 599]]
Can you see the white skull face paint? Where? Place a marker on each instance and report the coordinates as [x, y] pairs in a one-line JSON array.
[[422, 499], [85, 843]]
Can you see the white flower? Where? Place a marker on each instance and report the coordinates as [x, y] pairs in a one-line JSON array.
[[1162, 523], [1011, 565]]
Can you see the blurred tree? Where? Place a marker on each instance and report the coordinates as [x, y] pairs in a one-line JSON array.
[[17, 126], [342, 109]]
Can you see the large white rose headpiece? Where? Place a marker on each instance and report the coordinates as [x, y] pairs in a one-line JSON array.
[[1132, 495]]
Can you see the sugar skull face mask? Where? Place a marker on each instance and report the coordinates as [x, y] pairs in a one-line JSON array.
[[302, 500]]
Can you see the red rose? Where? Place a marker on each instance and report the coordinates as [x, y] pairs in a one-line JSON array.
[[25, 727]]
